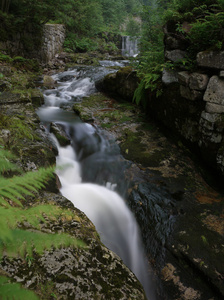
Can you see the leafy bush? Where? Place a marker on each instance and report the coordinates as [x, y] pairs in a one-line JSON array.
[[5, 58], [14, 240], [10, 289], [133, 28], [75, 44], [207, 32]]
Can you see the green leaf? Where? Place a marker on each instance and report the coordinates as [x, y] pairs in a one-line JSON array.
[[10, 291]]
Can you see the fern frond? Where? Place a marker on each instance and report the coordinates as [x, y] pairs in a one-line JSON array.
[[17, 186], [139, 94], [11, 290], [23, 242], [14, 241], [5, 164]]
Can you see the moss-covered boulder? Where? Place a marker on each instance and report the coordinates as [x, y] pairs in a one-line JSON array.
[[122, 84], [86, 271]]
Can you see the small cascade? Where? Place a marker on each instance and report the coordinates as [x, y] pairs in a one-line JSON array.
[[112, 218], [94, 194], [129, 46]]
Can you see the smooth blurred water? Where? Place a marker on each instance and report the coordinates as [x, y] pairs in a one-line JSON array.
[[90, 170]]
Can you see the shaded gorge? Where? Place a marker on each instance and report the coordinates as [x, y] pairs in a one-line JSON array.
[[91, 170]]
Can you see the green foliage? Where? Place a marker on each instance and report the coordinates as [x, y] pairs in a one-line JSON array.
[[140, 94], [151, 59], [14, 188], [17, 241], [5, 58], [183, 6], [133, 28], [5, 163], [9, 290], [19, 130], [206, 23], [199, 22], [207, 33], [17, 186], [83, 17], [1, 76], [75, 44]]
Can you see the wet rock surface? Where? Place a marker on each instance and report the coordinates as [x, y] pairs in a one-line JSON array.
[[180, 215], [86, 272]]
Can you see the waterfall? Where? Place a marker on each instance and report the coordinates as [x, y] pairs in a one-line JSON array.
[[107, 210], [129, 46]]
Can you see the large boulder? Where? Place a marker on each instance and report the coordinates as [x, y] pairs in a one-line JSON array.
[[211, 59], [175, 55], [89, 271], [215, 91], [123, 83]]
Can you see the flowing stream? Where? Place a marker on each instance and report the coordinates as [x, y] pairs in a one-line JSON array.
[[90, 169]]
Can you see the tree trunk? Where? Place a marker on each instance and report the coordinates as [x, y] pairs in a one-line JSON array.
[[5, 5]]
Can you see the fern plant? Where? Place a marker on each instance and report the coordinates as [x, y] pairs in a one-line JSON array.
[[150, 72], [9, 290], [14, 188], [18, 241]]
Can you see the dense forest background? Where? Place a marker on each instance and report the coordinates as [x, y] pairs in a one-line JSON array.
[[88, 22], [93, 25], [90, 26]]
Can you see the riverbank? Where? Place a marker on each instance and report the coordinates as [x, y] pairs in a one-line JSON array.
[[180, 215], [78, 264]]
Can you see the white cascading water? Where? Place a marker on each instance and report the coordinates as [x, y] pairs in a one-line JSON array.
[[104, 207], [129, 46]]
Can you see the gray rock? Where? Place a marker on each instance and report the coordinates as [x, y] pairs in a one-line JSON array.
[[5, 70], [5, 136], [198, 81], [210, 117], [189, 94], [215, 91], [175, 55], [183, 78], [89, 272], [172, 43], [37, 98], [49, 82], [169, 76], [214, 108], [221, 74], [211, 59]]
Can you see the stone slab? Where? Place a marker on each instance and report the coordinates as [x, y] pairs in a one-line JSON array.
[[175, 55], [214, 108], [211, 59], [215, 91], [189, 94], [210, 117], [169, 76], [198, 81], [183, 78]]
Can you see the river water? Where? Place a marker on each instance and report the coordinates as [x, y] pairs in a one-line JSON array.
[[90, 169]]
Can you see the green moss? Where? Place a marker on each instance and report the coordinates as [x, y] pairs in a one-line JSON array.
[[47, 290], [19, 129], [109, 125]]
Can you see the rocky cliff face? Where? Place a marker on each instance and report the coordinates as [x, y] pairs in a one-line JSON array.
[[193, 102], [42, 46], [90, 272]]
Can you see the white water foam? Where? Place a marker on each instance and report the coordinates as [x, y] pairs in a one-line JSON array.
[[102, 205], [108, 212]]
